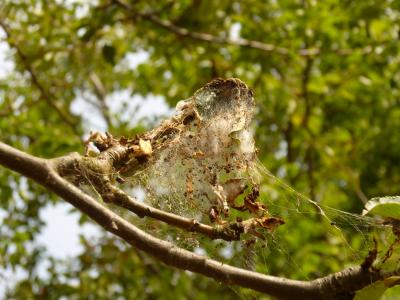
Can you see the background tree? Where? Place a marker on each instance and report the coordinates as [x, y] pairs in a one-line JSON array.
[[325, 77]]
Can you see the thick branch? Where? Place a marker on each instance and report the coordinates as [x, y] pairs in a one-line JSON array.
[[44, 172], [96, 170], [114, 154]]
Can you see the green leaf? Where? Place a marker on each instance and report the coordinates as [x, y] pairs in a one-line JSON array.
[[387, 207], [371, 292], [88, 34], [109, 54], [376, 290]]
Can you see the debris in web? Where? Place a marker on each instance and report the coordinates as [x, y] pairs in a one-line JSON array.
[[202, 164]]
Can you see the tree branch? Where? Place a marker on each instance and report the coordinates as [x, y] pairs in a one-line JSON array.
[[309, 155], [214, 232], [101, 95], [44, 172], [95, 171], [240, 42], [35, 81], [75, 165], [113, 153]]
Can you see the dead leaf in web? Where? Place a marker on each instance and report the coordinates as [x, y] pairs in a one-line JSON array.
[[269, 223]]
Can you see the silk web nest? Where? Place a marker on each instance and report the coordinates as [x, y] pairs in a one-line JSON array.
[[203, 159]]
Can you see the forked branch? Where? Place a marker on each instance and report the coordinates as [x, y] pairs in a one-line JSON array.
[[50, 174], [45, 173]]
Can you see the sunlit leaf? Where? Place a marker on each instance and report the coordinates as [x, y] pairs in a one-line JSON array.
[[386, 207]]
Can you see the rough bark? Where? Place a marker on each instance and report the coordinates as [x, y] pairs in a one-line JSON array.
[[51, 173]]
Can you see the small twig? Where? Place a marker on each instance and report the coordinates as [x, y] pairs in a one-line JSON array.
[[226, 232], [389, 251], [305, 78], [309, 158], [367, 264], [101, 95]]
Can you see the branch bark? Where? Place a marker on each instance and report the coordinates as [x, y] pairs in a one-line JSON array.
[[45, 173], [50, 174], [97, 168]]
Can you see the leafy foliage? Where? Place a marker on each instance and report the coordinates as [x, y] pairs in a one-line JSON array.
[[327, 123]]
